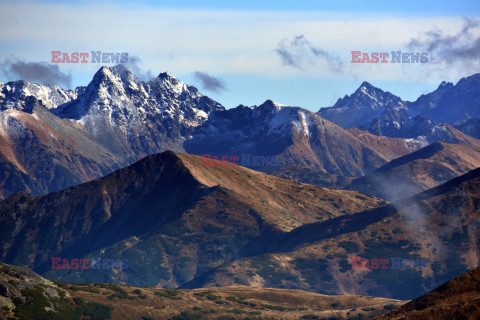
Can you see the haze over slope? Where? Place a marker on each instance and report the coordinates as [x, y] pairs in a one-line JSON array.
[[439, 225], [418, 171]]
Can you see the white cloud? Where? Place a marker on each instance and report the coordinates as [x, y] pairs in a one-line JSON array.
[[220, 42]]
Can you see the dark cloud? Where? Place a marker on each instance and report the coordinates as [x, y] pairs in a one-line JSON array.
[[209, 82], [299, 53], [462, 47], [39, 72], [133, 65]]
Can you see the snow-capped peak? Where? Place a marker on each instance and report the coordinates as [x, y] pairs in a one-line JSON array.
[[14, 93], [367, 89], [168, 77]]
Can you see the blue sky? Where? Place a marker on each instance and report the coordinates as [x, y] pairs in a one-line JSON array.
[[293, 52], [443, 7]]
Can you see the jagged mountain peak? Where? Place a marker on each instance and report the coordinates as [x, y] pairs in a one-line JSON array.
[[445, 84], [271, 104], [119, 68], [103, 72], [14, 93], [118, 74], [449, 103], [367, 95], [367, 85], [123, 113], [168, 82], [169, 77], [370, 92], [382, 113], [363, 106]]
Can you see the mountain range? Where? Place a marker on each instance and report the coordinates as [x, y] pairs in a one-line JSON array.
[[94, 130], [430, 117], [187, 194], [184, 224], [117, 119], [294, 136]]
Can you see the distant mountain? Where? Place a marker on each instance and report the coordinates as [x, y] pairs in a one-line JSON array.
[[456, 299], [470, 127], [419, 171], [426, 240], [117, 119], [82, 134], [27, 296], [294, 136], [420, 129], [53, 138], [392, 148], [40, 152], [363, 106], [170, 216], [135, 119], [13, 95], [382, 113], [452, 104]]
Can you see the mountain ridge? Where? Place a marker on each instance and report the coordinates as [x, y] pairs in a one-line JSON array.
[[382, 113], [122, 118], [167, 201], [437, 225], [420, 170]]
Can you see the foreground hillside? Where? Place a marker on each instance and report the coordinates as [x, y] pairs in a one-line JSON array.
[[458, 298], [25, 295], [169, 215]]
